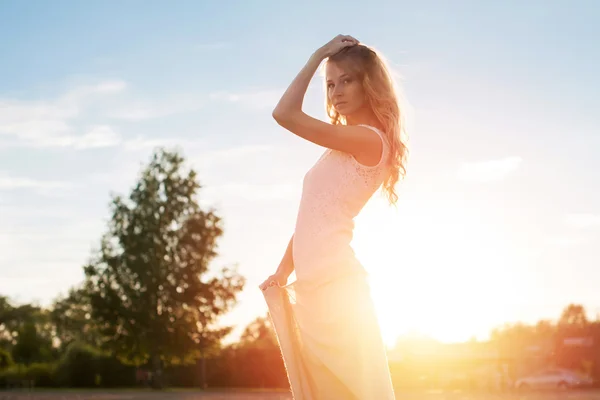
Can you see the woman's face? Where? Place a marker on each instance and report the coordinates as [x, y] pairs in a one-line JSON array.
[[344, 90]]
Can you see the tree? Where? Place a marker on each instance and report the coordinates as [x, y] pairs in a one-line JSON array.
[[148, 285], [575, 338], [72, 318], [6, 311], [255, 361], [32, 345], [259, 333], [26, 331], [6, 359], [574, 315]]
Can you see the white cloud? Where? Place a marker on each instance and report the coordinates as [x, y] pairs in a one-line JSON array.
[[51, 122], [57, 122], [87, 92], [19, 213], [120, 176], [144, 110], [32, 121], [99, 136], [8, 183], [233, 152], [486, 171], [259, 99], [110, 87], [35, 130], [583, 220], [96, 137], [37, 261], [137, 112], [142, 143], [253, 192]]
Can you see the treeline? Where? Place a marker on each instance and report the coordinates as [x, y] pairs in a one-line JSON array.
[[42, 354], [31, 360], [571, 342]]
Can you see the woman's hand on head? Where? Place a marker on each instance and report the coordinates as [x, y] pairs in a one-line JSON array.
[[337, 44]]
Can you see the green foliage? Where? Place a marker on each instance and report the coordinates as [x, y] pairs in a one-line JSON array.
[[6, 359], [81, 366], [112, 373], [78, 367], [30, 345], [27, 331], [42, 374], [12, 376], [147, 286], [72, 318], [34, 375]]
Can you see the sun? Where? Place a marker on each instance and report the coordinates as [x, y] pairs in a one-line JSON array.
[[434, 268]]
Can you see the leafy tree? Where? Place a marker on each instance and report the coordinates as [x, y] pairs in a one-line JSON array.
[[6, 360], [27, 332], [260, 334], [574, 315], [31, 345], [72, 317], [149, 290], [5, 318], [255, 361]]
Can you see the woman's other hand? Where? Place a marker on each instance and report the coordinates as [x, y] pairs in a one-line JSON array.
[[336, 44]]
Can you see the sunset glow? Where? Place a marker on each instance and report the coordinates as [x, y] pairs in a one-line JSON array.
[[443, 275]]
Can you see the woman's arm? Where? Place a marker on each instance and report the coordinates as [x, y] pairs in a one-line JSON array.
[[285, 269], [286, 266], [288, 113]]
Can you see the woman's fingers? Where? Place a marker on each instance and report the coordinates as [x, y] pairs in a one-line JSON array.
[[350, 39], [278, 279], [263, 285], [268, 283]]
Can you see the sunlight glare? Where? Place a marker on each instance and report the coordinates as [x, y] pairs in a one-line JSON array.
[[434, 269]]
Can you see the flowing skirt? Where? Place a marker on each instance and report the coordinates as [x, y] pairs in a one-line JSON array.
[[330, 340]]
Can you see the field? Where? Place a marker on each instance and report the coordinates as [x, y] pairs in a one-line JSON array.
[[273, 395]]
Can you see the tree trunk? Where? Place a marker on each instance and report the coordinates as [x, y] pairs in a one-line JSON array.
[[157, 372], [203, 372]]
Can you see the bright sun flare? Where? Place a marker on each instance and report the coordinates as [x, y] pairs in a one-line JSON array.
[[434, 269]]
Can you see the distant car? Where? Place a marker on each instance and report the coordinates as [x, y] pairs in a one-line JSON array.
[[553, 379]]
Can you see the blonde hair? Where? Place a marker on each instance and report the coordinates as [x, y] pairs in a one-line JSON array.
[[371, 69]]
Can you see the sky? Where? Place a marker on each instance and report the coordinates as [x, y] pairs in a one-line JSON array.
[[499, 216]]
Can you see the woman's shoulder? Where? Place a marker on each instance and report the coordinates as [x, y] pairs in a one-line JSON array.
[[376, 130]]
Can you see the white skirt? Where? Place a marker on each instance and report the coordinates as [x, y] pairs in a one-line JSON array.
[[330, 340]]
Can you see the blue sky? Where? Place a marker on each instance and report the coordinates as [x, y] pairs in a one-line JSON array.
[[499, 218]]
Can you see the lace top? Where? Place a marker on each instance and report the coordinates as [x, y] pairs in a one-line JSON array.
[[334, 191]]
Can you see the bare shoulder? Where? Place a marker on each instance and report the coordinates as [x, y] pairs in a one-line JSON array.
[[372, 156]]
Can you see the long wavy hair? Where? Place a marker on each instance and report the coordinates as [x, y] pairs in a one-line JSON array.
[[381, 92]]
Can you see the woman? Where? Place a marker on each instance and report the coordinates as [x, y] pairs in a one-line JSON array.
[[325, 320]]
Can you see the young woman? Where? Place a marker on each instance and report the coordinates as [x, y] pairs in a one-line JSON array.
[[325, 320]]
